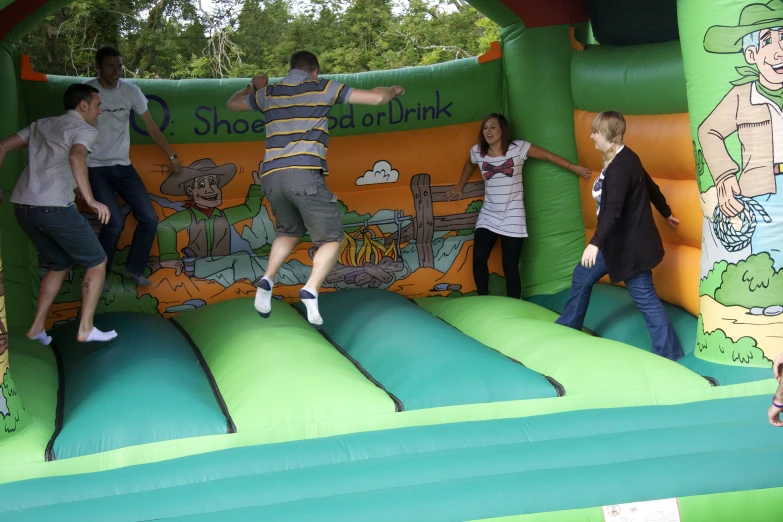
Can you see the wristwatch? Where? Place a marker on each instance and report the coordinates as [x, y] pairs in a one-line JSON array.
[[173, 157]]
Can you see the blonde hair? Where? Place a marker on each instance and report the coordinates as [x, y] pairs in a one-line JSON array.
[[610, 125]]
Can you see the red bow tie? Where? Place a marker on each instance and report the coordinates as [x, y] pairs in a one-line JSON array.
[[489, 170]]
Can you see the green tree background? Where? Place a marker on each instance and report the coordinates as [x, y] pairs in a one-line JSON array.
[[239, 38]]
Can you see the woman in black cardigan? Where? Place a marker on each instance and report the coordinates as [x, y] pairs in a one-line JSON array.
[[626, 244]]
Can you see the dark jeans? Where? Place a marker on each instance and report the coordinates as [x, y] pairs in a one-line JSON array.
[[125, 181], [511, 248], [640, 286]]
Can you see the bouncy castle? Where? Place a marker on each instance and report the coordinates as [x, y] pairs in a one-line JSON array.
[[419, 400]]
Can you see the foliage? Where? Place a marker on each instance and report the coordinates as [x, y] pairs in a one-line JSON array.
[[241, 38], [13, 402], [473, 207], [723, 350], [121, 296], [752, 282], [712, 281], [497, 286]]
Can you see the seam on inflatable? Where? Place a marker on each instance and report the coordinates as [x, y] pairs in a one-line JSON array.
[[59, 410], [230, 426], [398, 406]]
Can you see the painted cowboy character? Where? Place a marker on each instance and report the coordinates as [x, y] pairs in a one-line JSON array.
[[754, 110], [209, 227]]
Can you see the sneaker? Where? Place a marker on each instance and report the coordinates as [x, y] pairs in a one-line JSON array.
[[140, 279]]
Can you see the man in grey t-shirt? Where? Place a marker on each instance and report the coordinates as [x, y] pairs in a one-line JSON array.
[[44, 205]]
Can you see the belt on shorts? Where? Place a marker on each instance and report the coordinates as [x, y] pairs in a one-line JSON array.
[[42, 207]]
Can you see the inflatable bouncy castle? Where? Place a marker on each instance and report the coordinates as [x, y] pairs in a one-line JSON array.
[[419, 400]]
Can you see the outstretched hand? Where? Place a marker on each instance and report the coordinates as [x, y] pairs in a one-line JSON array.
[[673, 221], [455, 192], [583, 172]]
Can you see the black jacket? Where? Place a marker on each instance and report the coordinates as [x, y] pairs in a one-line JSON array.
[[626, 233]]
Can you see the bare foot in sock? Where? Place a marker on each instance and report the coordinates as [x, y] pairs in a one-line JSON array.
[[41, 338], [263, 302], [96, 336], [310, 299]]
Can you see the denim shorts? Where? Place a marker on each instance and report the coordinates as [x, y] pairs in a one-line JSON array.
[[302, 203], [62, 236]]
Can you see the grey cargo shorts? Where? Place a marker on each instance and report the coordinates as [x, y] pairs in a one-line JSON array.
[[303, 204]]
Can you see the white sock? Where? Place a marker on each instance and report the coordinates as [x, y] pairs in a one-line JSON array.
[[99, 336], [310, 299], [263, 302], [43, 338]]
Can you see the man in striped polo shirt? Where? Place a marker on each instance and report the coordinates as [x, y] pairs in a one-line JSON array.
[[296, 112]]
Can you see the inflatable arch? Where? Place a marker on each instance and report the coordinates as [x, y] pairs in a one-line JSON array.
[[419, 401]]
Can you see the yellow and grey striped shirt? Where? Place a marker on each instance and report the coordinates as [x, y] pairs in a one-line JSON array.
[[296, 112]]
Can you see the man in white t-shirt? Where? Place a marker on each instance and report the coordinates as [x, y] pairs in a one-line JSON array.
[[111, 171], [44, 205]]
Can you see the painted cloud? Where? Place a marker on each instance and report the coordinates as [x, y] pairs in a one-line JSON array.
[[381, 172]]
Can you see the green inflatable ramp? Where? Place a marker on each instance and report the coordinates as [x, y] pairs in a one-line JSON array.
[[278, 372], [420, 360], [583, 364], [144, 386], [449, 472], [613, 315]]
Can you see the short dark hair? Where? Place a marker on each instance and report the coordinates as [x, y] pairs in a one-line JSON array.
[[105, 52], [505, 137], [304, 61], [77, 93]]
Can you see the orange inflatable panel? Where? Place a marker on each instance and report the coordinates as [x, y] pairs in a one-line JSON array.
[[663, 142]]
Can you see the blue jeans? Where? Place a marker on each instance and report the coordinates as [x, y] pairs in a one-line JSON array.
[[640, 286], [125, 181]]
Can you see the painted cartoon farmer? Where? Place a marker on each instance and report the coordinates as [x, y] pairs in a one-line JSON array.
[[754, 110], [209, 227]]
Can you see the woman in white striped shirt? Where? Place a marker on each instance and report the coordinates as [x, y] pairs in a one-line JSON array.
[[500, 160]]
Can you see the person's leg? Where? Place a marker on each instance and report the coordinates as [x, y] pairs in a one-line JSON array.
[[130, 188], [102, 184], [33, 221], [289, 228], [664, 338], [321, 215], [483, 242], [47, 293], [578, 300], [92, 286], [511, 251]]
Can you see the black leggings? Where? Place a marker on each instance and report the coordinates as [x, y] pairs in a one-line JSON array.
[[511, 248]]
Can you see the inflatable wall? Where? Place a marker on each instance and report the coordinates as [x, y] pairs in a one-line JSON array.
[[417, 400], [731, 53]]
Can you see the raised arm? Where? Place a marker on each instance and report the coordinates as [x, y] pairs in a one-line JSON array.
[[239, 102], [539, 153], [78, 160], [377, 96]]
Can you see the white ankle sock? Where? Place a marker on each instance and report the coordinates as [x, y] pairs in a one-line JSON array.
[[99, 336], [310, 299], [43, 338], [263, 302]]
